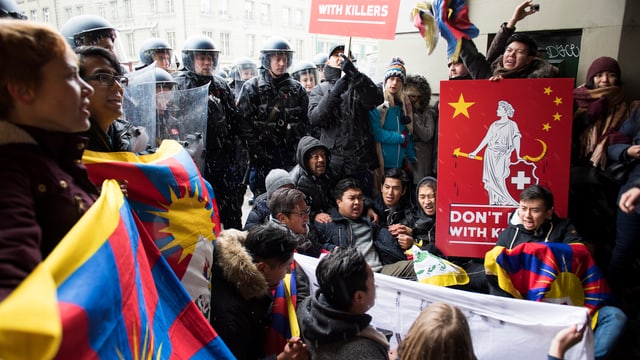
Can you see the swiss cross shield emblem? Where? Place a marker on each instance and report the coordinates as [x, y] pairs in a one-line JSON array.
[[522, 174]]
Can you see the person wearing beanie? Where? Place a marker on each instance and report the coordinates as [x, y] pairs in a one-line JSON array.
[[600, 109], [342, 123], [510, 55], [392, 123], [275, 179]]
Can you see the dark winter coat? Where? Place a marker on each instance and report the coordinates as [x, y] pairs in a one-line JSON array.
[[483, 68], [332, 334], [617, 152], [222, 114], [117, 138], [400, 215], [45, 190], [344, 124], [272, 139], [240, 297], [338, 233], [318, 189], [260, 212], [555, 230]]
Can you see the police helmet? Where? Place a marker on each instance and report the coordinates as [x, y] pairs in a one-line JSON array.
[[164, 78], [272, 46], [243, 69], [199, 44], [9, 9], [320, 59], [87, 29], [152, 46], [304, 67]]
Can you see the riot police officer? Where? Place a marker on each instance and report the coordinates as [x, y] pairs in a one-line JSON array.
[[319, 60], [273, 112], [89, 29], [9, 9], [158, 50], [242, 70], [200, 60]]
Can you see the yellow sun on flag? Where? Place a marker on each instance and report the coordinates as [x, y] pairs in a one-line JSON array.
[[189, 221]]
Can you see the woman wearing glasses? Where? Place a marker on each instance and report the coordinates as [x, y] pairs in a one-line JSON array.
[[44, 188], [100, 68]]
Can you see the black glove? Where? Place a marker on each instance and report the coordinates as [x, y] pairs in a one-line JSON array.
[[347, 66], [341, 86]]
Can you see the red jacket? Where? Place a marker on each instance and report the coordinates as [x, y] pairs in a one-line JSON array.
[[44, 190]]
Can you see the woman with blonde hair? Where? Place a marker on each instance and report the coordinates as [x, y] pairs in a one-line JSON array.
[[440, 332]]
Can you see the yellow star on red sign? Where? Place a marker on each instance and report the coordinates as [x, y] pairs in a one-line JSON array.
[[461, 107], [547, 90], [546, 127], [558, 101], [556, 117]]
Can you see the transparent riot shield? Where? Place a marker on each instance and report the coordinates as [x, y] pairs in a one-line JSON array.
[[183, 117], [139, 107]]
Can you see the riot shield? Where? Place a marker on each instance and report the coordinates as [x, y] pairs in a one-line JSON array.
[[184, 119], [139, 107]]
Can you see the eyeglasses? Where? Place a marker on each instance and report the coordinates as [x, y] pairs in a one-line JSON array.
[[108, 79], [302, 213]]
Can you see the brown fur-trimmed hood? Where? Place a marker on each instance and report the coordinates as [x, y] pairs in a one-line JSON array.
[[237, 266]]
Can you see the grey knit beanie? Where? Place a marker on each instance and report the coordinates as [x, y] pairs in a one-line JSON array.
[[276, 178]]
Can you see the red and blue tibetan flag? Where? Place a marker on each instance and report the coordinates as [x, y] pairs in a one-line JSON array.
[[174, 205], [284, 322], [454, 24], [551, 272], [105, 292]]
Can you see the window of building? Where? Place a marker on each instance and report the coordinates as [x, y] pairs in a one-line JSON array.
[[100, 7], [208, 33], [79, 10], [131, 45], [171, 7], [34, 15], [265, 12], [286, 13], [114, 9], [248, 9], [128, 12], [205, 7], [225, 44], [68, 13], [251, 45], [223, 7], [299, 47], [46, 17], [297, 17], [171, 38], [153, 6]]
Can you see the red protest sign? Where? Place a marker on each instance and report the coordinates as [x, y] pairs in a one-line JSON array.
[[372, 18], [495, 139]]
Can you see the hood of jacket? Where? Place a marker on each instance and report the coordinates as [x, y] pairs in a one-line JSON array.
[[321, 324], [303, 152], [236, 264], [537, 68]]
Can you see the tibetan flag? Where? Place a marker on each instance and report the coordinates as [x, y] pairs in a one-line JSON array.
[[422, 18], [453, 21], [434, 270], [105, 292], [174, 205], [284, 322], [552, 272]]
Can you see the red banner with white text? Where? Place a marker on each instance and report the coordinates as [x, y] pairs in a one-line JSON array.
[[371, 19]]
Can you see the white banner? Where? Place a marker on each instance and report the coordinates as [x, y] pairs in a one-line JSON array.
[[501, 328]]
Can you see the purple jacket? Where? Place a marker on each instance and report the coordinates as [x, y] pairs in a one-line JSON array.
[[44, 190]]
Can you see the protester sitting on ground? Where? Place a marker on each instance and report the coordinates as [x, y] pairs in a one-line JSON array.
[[393, 206], [350, 228], [536, 221], [422, 223], [290, 211], [276, 179], [333, 322], [246, 269], [44, 188], [100, 68], [510, 55], [313, 176], [441, 332]]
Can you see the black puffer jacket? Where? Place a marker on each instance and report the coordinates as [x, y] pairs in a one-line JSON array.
[[344, 124], [273, 141]]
